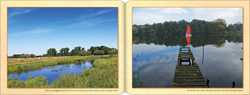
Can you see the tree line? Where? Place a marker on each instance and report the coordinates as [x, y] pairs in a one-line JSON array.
[[180, 27], [77, 51]]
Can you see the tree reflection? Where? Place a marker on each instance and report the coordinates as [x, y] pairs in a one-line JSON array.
[[198, 40]]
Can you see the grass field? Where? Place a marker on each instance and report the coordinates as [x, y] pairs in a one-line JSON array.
[[104, 75], [19, 64]]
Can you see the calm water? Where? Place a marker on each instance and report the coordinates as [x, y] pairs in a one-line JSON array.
[[76, 68], [157, 58]]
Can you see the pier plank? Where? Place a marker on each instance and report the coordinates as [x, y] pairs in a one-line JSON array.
[[188, 75]]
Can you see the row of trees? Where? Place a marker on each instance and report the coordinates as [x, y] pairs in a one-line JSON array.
[[197, 40], [22, 56], [77, 51], [180, 27], [80, 51]]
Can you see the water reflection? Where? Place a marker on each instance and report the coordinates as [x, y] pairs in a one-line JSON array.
[[53, 73], [217, 57]]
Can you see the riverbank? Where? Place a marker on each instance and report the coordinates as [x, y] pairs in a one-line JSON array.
[[103, 74], [19, 64]]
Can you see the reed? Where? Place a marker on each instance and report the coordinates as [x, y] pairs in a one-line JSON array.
[[31, 63], [103, 74], [30, 82]]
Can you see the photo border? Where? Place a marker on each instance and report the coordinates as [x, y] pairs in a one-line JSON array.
[[244, 4], [56, 3]]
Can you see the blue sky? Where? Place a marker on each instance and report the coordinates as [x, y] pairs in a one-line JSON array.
[[143, 16], [35, 30]]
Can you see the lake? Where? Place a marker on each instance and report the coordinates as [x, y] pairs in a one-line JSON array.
[[50, 75], [217, 55]]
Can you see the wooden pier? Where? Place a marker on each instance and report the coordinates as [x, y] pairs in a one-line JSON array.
[[187, 75]]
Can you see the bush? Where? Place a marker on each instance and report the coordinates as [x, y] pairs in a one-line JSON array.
[[32, 55], [98, 52]]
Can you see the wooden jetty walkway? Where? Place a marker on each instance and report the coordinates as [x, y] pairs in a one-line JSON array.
[[187, 75]]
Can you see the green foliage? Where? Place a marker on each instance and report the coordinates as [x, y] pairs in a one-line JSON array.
[[92, 49], [137, 82], [176, 70], [112, 52], [174, 85], [15, 83], [98, 52], [64, 52], [25, 56], [85, 53], [32, 55], [30, 82], [104, 74], [238, 26], [51, 52], [180, 27], [220, 20], [105, 49], [36, 82], [78, 48], [17, 55]]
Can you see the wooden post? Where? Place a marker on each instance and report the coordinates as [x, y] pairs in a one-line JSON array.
[[233, 84], [208, 82]]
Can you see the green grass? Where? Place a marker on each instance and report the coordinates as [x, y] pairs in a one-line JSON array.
[[136, 82], [33, 64], [174, 85], [176, 71], [30, 82], [103, 74]]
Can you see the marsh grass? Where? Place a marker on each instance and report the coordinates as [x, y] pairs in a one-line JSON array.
[[104, 74], [32, 63], [174, 85], [30, 82]]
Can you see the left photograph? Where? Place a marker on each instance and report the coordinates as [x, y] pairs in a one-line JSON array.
[[62, 47]]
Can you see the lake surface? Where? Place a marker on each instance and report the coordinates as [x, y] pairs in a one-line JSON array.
[[75, 68], [157, 58]]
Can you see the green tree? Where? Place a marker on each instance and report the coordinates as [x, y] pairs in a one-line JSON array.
[[238, 26], [92, 49], [135, 30], [77, 48], [105, 49], [17, 55], [32, 55], [220, 20], [98, 52], [25, 56], [64, 51], [112, 52], [51, 52], [231, 28], [58, 54]]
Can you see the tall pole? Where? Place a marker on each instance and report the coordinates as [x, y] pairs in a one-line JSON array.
[[203, 54]]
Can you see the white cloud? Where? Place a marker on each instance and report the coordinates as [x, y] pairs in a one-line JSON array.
[[173, 10], [87, 16], [35, 31], [95, 14], [142, 18], [106, 20], [231, 15], [85, 23], [19, 11], [137, 49]]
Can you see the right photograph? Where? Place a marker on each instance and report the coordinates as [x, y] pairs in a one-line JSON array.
[[187, 47]]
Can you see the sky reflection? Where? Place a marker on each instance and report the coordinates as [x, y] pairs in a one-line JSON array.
[[157, 64]]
